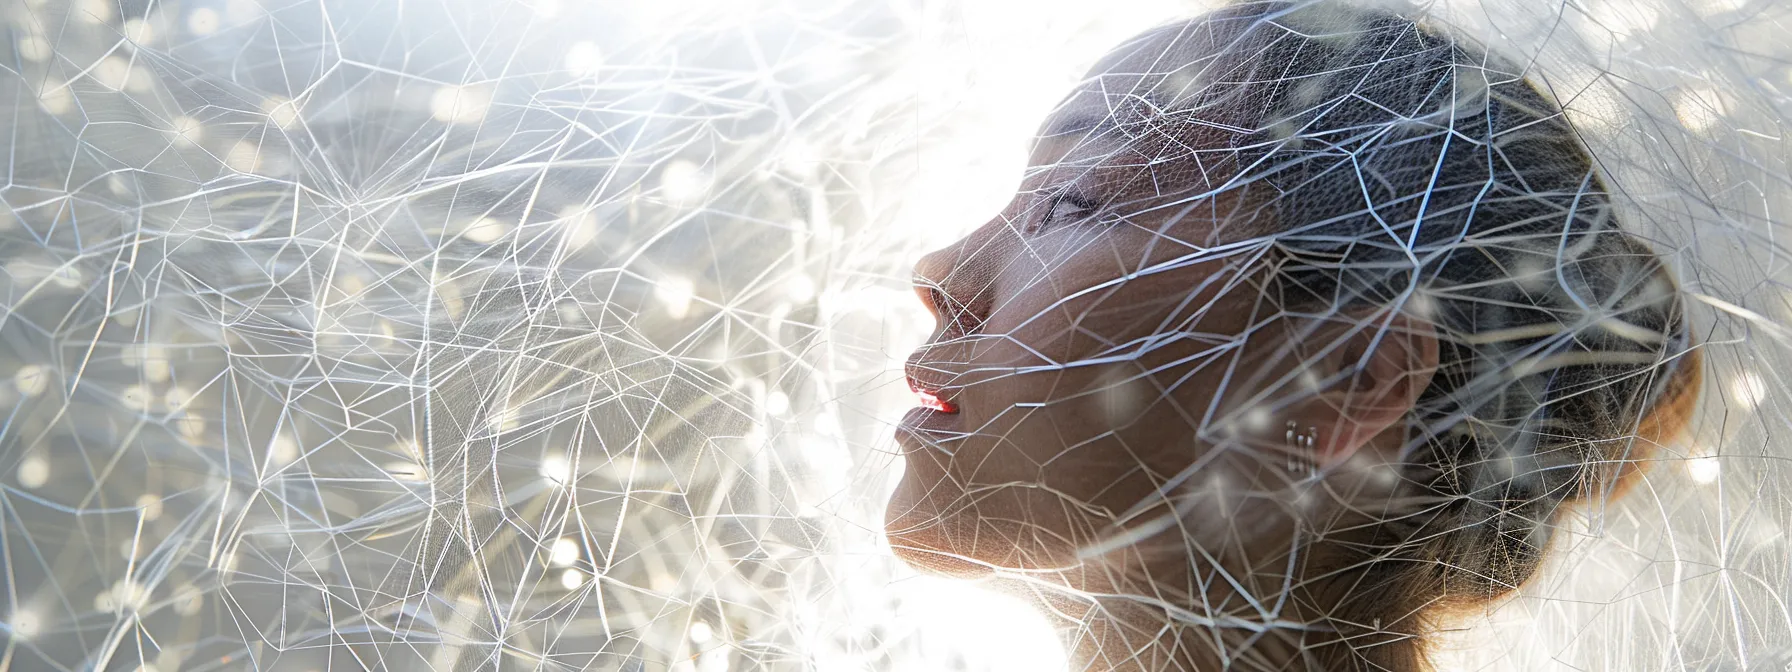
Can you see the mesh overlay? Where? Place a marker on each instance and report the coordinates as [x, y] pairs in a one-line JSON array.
[[583, 335]]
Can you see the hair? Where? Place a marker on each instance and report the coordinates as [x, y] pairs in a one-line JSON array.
[[1397, 164]]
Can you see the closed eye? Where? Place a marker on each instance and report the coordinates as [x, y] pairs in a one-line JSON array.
[[1068, 206]]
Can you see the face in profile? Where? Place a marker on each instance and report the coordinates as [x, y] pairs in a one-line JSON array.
[[1284, 292], [1109, 361]]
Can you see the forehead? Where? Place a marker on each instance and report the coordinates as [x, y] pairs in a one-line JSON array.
[[1160, 94]]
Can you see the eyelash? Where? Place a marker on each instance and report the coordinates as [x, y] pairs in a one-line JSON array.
[[1083, 206]]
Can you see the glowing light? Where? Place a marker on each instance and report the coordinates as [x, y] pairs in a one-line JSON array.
[[675, 295], [244, 156], [1704, 470], [1309, 380], [827, 425], [1622, 19], [151, 506], [564, 552], [187, 131], [177, 398], [283, 450], [570, 313], [584, 59], [93, 11], [113, 72], [982, 629], [683, 180], [242, 11], [139, 31], [579, 225], [800, 287], [486, 229], [135, 397], [204, 21], [1597, 109], [1700, 108], [31, 379], [777, 402], [24, 624], [1258, 419], [125, 596], [556, 469], [1021, 54], [34, 47], [281, 111], [1748, 389], [1720, 6], [157, 369], [799, 158], [460, 104], [55, 97], [191, 427], [34, 472], [189, 603]]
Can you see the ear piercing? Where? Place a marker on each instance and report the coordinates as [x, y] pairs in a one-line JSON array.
[[1300, 446]]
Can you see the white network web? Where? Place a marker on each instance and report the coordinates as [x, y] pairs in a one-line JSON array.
[[562, 334]]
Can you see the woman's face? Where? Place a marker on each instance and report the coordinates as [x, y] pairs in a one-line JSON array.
[[1107, 362]]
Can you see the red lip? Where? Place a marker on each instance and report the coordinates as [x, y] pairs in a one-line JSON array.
[[931, 399], [935, 420]]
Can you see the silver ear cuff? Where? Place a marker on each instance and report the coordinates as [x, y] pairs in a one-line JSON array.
[[1300, 447]]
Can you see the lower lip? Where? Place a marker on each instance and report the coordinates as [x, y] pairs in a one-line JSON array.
[[932, 400], [924, 425]]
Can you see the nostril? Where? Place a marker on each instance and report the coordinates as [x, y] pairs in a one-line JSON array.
[[940, 286], [937, 302], [954, 317], [942, 304]]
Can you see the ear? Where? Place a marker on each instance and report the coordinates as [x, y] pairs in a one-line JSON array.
[[1378, 364]]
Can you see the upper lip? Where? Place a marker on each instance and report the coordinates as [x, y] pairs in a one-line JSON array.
[[937, 397]]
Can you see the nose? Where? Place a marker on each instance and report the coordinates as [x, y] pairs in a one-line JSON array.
[[955, 283], [950, 281]]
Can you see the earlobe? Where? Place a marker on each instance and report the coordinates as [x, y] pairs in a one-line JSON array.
[[1379, 374]]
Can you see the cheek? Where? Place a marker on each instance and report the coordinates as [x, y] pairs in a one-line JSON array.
[[1096, 303], [1106, 436], [1097, 453]]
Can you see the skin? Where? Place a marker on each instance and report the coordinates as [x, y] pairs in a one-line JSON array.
[[1131, 418], [1123, 388]]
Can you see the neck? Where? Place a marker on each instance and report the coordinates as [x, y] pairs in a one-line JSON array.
[[1123, 634], [1163, 624]]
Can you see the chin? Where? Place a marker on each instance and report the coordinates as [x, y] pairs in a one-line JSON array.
[[921, 537], [938, 563]]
